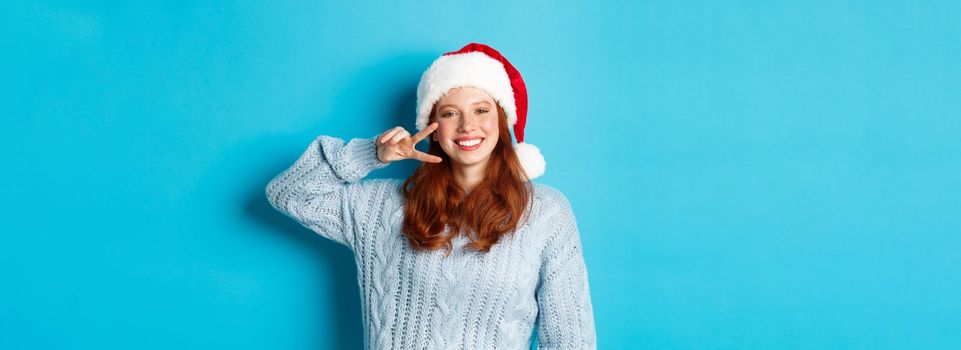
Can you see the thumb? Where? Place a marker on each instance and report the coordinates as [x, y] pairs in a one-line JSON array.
[[427, 157]]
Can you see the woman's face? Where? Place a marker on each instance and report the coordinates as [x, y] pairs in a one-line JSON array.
[[467, 125]]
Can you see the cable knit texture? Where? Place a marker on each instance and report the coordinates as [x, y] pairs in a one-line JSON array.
[[424, 300]]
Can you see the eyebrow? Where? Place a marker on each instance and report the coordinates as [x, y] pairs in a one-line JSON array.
[[475, 103]]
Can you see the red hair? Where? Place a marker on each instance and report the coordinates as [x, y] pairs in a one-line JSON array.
[[491, 210]]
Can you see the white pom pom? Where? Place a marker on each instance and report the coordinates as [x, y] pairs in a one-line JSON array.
[[531, 159]]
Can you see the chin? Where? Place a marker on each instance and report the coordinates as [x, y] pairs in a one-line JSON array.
[[469, 160], [474, 160]]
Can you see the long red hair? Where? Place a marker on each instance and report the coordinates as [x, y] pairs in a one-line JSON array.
[[492, 209]]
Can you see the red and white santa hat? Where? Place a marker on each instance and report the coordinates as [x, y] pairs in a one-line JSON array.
[[481, 67]]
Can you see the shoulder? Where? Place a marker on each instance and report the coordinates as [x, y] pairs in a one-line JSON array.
[[550, 195], [550, 201], [554, 221]]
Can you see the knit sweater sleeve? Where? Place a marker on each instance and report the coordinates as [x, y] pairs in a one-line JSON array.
[[321, 189], [566, 317]]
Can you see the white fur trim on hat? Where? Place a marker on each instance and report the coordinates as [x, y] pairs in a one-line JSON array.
[[474, 69]]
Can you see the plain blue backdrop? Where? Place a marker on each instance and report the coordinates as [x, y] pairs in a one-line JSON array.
[[745, 175]]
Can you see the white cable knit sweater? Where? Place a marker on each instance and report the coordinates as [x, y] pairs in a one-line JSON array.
[[467, 300]]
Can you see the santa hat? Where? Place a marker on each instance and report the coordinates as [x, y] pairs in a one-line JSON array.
[[480, 66]]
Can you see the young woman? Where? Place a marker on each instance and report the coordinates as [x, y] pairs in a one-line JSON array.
[[467, 252]]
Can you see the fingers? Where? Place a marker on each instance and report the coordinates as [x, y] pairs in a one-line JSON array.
[[423, 133], [421, 156], [400, 135], [388, 134], [397, 134]]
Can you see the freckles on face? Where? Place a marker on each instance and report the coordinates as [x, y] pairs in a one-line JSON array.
[[467, 125]]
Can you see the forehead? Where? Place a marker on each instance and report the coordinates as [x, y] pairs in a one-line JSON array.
[[466, 94]]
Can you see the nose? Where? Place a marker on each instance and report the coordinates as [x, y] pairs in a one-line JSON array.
[[467, 123]]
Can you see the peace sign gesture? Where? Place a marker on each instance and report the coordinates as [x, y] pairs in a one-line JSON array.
[[397, 144]]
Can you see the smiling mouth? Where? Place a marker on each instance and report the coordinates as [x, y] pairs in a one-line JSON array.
[[469, 145]]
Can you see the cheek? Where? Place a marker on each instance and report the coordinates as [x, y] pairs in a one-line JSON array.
[[443, 132], [491, 128]]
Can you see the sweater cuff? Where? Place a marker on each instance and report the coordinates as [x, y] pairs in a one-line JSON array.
[[362, 159]]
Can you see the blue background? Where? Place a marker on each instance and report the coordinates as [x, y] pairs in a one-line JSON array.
[[745, 175]]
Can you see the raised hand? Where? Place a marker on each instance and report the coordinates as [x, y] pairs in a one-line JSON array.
[[397, 144]]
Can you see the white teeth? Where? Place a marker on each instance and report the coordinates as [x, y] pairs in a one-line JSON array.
[[469, 143]]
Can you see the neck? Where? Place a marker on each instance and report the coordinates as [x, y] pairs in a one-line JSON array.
[[468, 176]]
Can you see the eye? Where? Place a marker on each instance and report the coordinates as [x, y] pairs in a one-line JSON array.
[[447, 114], [481, 110]]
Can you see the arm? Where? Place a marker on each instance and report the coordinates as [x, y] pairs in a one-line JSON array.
[[316, 190], [565, 317]]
